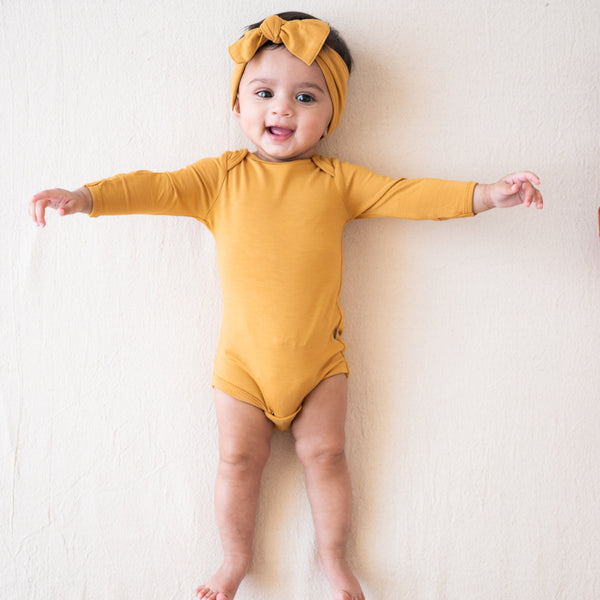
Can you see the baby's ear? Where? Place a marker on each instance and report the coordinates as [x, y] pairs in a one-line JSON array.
[[236, 108]]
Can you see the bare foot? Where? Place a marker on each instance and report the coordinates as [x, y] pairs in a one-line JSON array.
[[344, 586], [224, 583]]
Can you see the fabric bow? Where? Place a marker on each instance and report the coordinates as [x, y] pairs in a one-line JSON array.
[[305, 39]]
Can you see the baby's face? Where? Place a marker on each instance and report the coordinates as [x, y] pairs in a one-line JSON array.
[[283, 105]]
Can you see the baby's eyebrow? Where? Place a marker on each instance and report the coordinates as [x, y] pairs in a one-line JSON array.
[[261, 80], [309, 84]]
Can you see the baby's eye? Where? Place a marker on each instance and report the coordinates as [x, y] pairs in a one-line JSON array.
[[305, 98], [264, 94]]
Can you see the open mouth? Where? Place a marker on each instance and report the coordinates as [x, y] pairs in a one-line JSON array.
[[280, 133]]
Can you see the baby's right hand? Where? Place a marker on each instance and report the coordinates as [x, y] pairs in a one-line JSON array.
[[63, 201]]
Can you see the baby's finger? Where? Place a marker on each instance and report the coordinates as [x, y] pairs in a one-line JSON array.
[[522, 177], [40, 212], [531, 195], [526, 193], [31, 208], [55, 197]]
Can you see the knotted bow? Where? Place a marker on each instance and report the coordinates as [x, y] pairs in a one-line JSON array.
[[305, 39]]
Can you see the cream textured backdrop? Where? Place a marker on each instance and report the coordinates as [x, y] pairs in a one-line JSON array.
[[474, 345]]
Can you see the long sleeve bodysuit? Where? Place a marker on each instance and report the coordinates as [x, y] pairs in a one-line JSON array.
[[278, 230]]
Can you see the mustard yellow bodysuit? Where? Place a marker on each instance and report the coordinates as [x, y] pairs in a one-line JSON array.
[[278, 230]]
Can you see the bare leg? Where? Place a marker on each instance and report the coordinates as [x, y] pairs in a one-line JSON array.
[[244, 444], [319, 430]]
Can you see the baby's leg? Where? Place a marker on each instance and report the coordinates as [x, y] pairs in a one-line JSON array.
[[319, 430], [244, 444]]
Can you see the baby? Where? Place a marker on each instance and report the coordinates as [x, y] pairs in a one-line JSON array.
[[277, 215]]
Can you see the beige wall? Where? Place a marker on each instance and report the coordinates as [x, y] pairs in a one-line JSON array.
[[474, 344]]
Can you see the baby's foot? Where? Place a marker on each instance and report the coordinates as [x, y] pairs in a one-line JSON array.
[[224, 583], [344, 586]]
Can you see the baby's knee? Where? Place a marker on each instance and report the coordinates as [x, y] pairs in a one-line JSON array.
[[321, 450], [243, 456]]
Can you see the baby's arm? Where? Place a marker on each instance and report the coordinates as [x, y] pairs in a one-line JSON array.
[[512, 190], [63, 201]]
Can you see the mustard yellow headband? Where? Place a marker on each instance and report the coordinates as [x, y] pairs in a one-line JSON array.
[[305, 39]]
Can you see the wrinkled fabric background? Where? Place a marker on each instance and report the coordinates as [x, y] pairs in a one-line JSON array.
[[474, 344]]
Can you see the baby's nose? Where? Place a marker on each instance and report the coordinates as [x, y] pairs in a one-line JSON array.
[[282, 107]]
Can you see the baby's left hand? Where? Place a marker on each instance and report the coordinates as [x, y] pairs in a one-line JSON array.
[[512, 190]]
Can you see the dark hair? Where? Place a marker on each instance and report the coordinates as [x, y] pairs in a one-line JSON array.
[[334, 39]]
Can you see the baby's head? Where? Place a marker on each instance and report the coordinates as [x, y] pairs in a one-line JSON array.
[[291, 73]]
